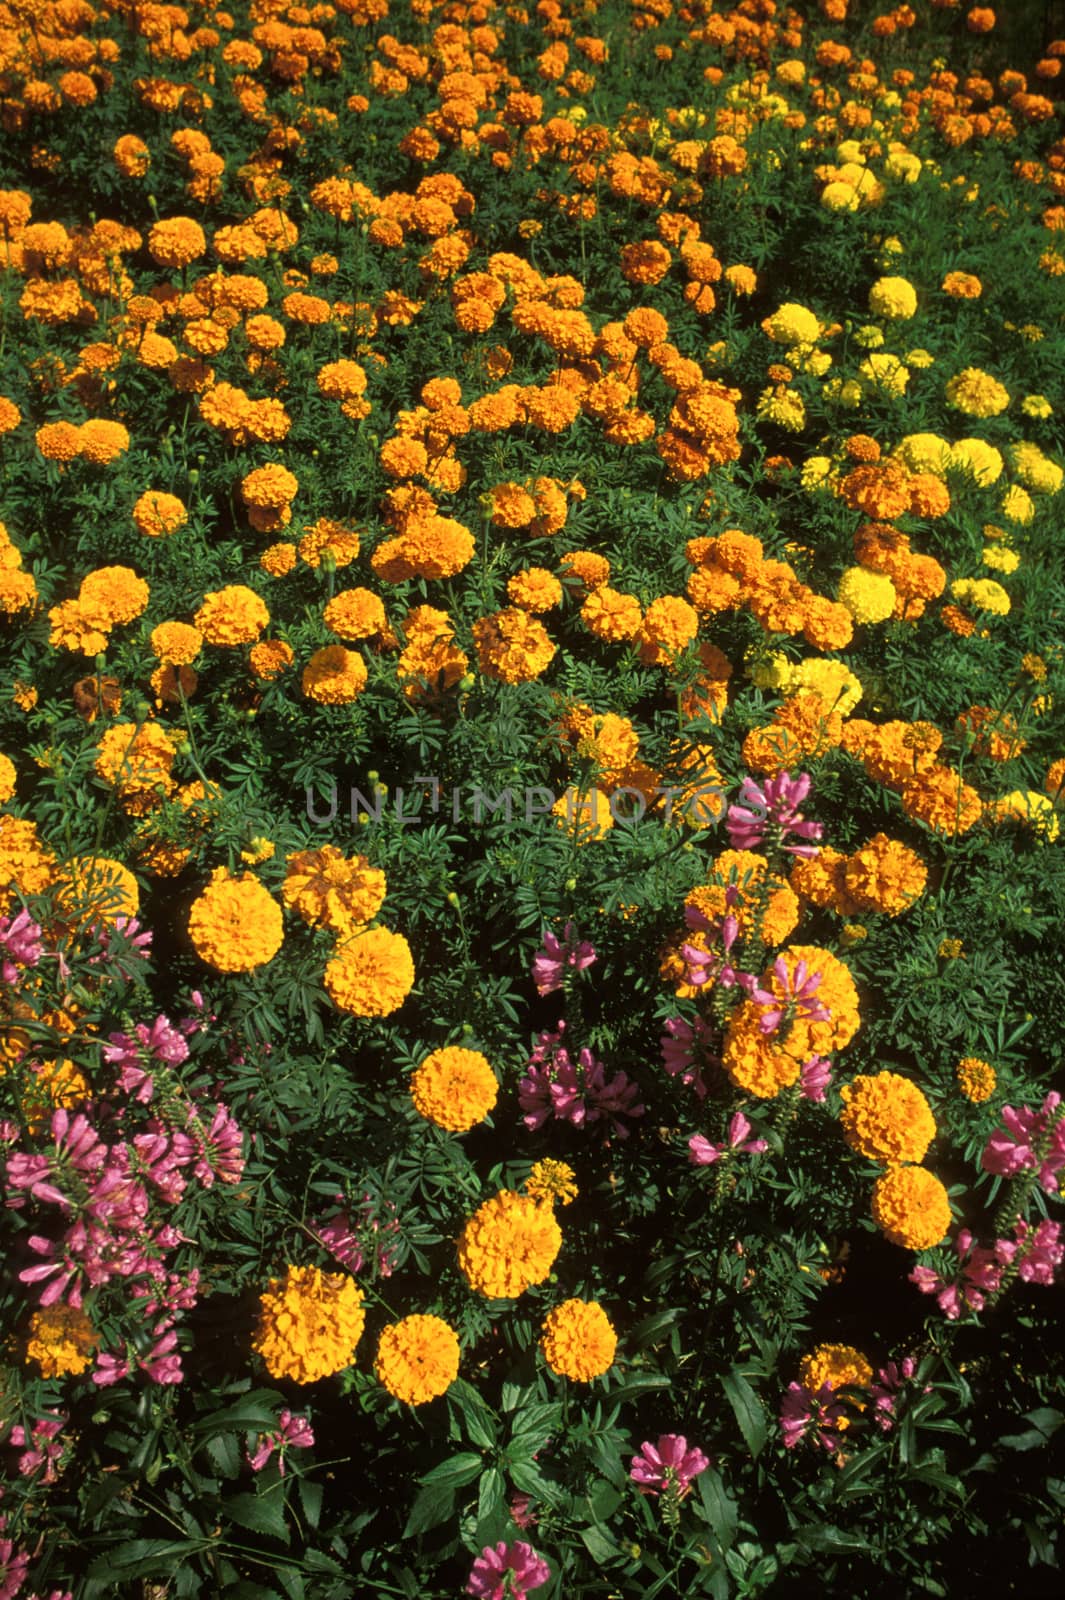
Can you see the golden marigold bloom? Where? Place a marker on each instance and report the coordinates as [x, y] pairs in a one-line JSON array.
[[1028, 807], [137, 761], [355, 614], [839, 1365], [885, 875], [455, 1088], [235, 923], [941, 800], [269, 658], [911, 1207], [132, 156], [886, 1118], [551, 1180], [269, 487], [508, 1244], [58, 441], [894, 298], [334, 676], [176, 643], [669, 625], [7, 779], [611, 615], [534, 589], [977, 393], [26, 865], [113, 595], [61, 1340], [91, 886], [792, 324], [231, 616], [418, 1359], [976, 1079], [176, 241], [157, 515], [962, 286], [578, 1340], [328, 890], [585, 813], [868, 596], [512, 646], [309, 1324], [371, 974]]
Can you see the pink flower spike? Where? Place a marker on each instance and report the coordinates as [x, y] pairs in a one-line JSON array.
[[507, 1570]]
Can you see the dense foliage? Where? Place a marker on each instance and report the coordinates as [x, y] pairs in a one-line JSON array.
[[530, 870]]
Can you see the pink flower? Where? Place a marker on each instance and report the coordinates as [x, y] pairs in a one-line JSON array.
[[668, 1466], [550, 962], [814, 1415], [685, 1050], [20, 939], [578, 1091], [798, 996], [507, 1570], [885, 1389], [13, 1564], [293, 1433], [702, 1153], [45, 1449], [1021, 1144], [1042, 1254], [770, 813], [815, 1077], [521, 1512]]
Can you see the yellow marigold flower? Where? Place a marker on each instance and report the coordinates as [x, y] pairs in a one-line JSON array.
[[328, 890], [984, 594], [886, 372], [231, 616], [792, 324], [355, 614], [895, 298], [269, 658], [309, 1324], [8, 776], [868, 596], [235, 923], [25, 864], [176, 241], [269, 487], [418, 1359], [1037, 405], [508, 1244], [1017, 506], [611, 615], [911, 1207], [102, 441], [885, 875], [61, 1340], [371, 974], [886, 1118], [158, 515], [334, 676], [951, 949], [534, 589], [978, 458], [838, 1365], [512, 646], [962, 286], [113, 595], [976, 1079], [54, 1084], [278, 559], [455, 1088], [137, 761], [259, 850], [587, 814], [177, 643], [95, 886], [578, 1340], [551, 1180], [1027, 806], [977, 393]]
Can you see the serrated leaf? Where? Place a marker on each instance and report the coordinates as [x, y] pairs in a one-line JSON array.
[[432, 1506], [722, 1512], [748, 1410], [259, 1513], [598, 1545]]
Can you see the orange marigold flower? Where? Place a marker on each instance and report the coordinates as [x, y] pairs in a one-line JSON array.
[[235, 924], [371, 974], [176, 242], [334, 676]]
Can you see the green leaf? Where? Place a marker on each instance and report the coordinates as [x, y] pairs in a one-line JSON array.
[[479, 1418], [456, 1470], [141, 1558], [224, 1453], [722, 1512], [492, 1495], [259, 1513], [748, 1410], [311, 1495], [598, 1545], [431, 1507]]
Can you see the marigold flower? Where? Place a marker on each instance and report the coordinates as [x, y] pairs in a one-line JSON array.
[[976, 1079], [330, 890], [309, 1324], [977, 393], [61, 1340], [231, 616], [334, 676], [157, 515], [417, 1359], [886, 1118], [911, 1207], [176, 241], [455, 1088], [508, 1244], [838, 1365], [578, 1340], [235, 924], [886, 876], [371, 973]]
